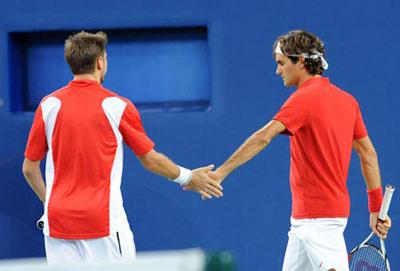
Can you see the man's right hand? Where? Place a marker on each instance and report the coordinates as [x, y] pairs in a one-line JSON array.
[[216, 176], [202, 183]]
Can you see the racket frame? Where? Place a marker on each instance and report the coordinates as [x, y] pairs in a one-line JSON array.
[[389, 189]]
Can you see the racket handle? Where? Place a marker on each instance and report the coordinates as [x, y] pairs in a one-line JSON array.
[[389, 189]]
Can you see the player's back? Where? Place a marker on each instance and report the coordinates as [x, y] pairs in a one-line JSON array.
[[83, 149], [332, 116], [321, 150]]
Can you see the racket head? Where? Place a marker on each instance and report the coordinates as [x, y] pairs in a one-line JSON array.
[[368, 257]]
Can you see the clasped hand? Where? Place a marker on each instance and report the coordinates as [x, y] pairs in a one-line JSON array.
[[206, 182]]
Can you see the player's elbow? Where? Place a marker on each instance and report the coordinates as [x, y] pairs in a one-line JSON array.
[[266, 140], [149, 160], [263, 139], [365, 149], [369, 156], [25, 170], [28, 168], [149, 165], [146, 162]]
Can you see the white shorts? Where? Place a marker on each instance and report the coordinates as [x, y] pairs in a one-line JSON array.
[[118, 246], [316, 244]]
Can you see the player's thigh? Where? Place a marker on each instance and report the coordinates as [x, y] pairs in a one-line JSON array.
[[325, 246], [117, 246], [60, 251], [296, 258]]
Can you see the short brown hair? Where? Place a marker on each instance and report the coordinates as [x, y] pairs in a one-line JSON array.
[[83, 49], [297, 42]]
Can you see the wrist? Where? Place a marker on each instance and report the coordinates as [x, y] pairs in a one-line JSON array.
[[222, 172], [185, 176], [375, 199]]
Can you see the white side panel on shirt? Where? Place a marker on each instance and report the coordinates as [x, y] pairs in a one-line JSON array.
[[113, 108], [50, 108]]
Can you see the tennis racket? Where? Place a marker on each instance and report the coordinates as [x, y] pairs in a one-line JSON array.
[[367, 256]]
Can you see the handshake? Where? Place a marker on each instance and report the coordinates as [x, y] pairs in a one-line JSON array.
[[206, 182]]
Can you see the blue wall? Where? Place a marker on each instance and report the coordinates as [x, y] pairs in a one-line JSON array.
[[252, 218]]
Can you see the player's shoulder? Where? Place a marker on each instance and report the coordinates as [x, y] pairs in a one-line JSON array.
[[299, 94], [109, 94], [345, 98], [55, 95], [346, 94], [112, 96]]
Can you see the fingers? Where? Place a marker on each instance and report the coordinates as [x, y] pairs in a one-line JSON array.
[[388, 222], [204, 184], [216, 176], [381, 229], [205, 195], [208, 168], [375, 230], [207, 192], [212, 191], [215, 191], [189, 187], [384, 227], [213, 175], [210, 187], [215, 185]]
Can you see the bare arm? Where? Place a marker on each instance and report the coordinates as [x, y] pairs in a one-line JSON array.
[[33, 175], [250, 148], [161, 165], [370, 170], [369, 162]]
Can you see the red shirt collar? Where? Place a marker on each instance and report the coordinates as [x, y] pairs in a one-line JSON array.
[[83, 83], [314, 80]]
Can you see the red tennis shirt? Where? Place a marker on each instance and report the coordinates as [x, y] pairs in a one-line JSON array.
[[322, 122], [81, 127]]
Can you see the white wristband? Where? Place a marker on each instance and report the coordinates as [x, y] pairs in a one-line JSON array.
[[185, 176]]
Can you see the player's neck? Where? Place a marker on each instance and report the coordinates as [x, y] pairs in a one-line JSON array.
[[305, 77], [88, 76]]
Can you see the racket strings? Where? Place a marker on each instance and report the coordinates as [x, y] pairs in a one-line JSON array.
[[367, 258]]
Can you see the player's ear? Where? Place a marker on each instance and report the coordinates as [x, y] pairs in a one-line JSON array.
[[100, 62], [301, 62]]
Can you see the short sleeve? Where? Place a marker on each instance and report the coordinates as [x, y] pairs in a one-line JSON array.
[[133, 132], [360, 130], [294, 113], [37, 147]]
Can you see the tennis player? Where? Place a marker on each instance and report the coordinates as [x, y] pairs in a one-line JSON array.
[[81, 127], [324, 124]]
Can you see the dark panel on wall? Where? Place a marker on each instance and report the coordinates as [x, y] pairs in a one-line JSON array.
[[157, 68]]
